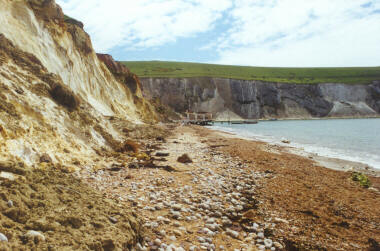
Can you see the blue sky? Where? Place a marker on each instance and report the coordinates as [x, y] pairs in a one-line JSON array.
[[298, 33]]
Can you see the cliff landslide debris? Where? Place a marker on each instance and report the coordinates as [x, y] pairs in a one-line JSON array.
[[47, 209]]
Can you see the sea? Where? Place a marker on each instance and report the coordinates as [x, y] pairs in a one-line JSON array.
[[349, 139]]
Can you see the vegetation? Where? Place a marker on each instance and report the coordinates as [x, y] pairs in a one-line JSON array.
[[362, 179], [353, 75]]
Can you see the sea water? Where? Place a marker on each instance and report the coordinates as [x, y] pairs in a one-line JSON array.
[[350, 139]]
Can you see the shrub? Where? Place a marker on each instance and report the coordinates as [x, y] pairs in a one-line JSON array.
[[362, 179]]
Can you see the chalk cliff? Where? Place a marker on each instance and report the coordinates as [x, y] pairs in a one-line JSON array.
[[256, 99]]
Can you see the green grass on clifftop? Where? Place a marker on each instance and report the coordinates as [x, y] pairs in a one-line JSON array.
[[353, 75]]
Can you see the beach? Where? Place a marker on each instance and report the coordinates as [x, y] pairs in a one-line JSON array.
[[241, 194]]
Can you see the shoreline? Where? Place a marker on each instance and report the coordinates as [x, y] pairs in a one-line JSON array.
[[238, 194], [308, 194], [334, 163]]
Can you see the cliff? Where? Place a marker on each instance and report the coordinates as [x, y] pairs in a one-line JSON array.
[[62, 110], [55, 92], [257, 99]]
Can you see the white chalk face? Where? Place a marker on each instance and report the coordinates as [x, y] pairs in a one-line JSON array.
[[260, 32], [82, 73]]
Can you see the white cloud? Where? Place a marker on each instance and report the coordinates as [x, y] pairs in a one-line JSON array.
[[257, 32], [143, 23], [302, 33]]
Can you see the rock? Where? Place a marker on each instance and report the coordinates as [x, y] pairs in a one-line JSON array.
[[177, 207], [268, 243], [232, 233], [285, 141], [193, 248], [133, 165], [160, 154], [157, 242], [10, 203], [261, 247], [112, 219], [3, 237], [172, 238], [279, 220], [185, 159], [35, 236], [278, 245], [8, 176], [45, 158], [177, 232]]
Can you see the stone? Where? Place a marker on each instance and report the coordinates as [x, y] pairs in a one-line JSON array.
[[278, 245], [162, 154], [157, 242], [10, 203], [34, 235], [112, 220], [8, 176], [45, 158], [3, 237], [177, 232], [232, 233], [279, 220], [177, 207], [172, 238], [268, 243], [184, 159]]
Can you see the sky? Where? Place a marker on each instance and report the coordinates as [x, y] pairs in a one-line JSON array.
[[277, 33]]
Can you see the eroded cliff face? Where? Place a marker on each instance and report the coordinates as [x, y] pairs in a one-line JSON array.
[[56, 96], [256, 99], [131, 81]]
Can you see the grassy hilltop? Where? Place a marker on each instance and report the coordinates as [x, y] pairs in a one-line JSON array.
[[352, 75]]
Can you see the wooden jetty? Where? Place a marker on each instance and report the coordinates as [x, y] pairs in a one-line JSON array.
[[199, 118], [206, 118]]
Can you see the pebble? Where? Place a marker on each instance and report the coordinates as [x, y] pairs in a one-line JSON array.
[[3, 237], [35, 235], [232, 233], [278, 245], [172, 238], [177, 232], [157, 242], [112, 219], [10, 203], [219, 190], [268, 243]]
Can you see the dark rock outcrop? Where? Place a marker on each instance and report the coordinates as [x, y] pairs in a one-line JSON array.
[[256, 99]]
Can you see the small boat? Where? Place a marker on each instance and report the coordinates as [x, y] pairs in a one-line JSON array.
[[250, 122]]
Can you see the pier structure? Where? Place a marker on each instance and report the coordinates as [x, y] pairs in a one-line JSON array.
[[199, 118], [206, 118]]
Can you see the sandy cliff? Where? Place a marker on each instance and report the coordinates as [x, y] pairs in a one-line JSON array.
[[62, 110], [56, 94], [256, 99]]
